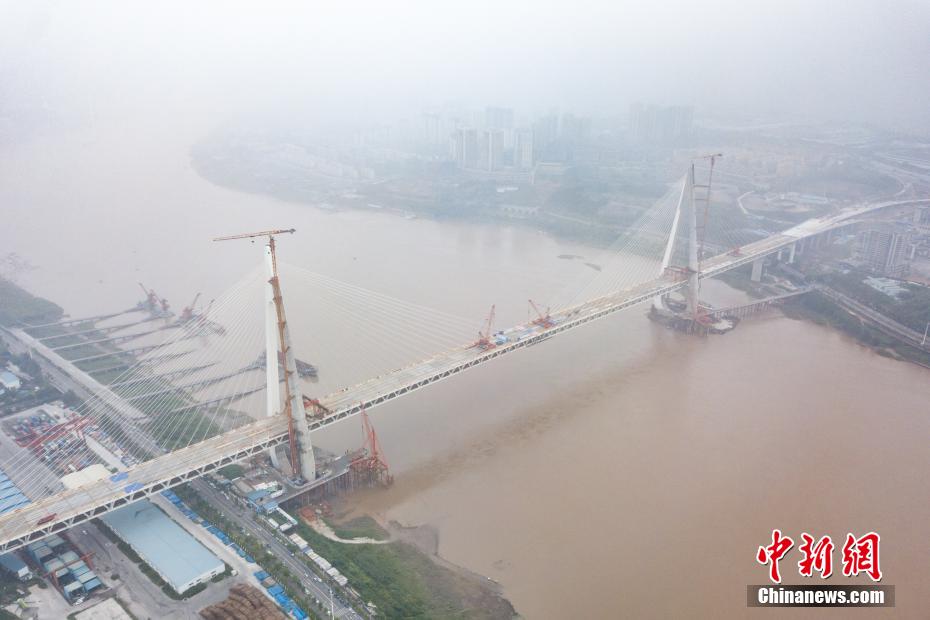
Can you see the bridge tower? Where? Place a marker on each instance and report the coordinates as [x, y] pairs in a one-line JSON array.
[[658, 303], [278, 347], [694, 282], [697, 234]]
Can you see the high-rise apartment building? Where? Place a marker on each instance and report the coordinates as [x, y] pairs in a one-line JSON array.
[[660, 125], [884, 249]]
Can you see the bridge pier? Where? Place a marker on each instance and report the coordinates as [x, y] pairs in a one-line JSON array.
[[758, 266]]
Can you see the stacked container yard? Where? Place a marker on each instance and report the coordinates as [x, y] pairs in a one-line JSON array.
[[11, 563], [70, 574]]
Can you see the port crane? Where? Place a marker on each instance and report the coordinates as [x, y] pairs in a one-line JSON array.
[[188, 312], [151, 297], [35, 439], [153, 301]]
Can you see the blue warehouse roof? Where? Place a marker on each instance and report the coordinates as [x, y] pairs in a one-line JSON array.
[[162, 543]]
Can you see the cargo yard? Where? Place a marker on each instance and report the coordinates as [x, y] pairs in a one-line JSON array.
[[117, 361], [112, 359]]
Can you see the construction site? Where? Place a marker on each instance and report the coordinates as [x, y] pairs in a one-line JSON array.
[[262, 487]]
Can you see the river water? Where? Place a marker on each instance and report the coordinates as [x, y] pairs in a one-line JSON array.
[[620, 471]]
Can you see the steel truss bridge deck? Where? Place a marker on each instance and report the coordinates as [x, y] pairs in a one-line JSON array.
[[21, 526]]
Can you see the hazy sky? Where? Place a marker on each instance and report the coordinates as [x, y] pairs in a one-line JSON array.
[[856, 59]]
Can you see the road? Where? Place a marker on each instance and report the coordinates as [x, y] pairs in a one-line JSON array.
[[739, 202], [879, 320], [55, 376], [65, 373], [242, 518]]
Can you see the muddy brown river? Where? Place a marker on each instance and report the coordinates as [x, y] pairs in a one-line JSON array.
[[620, 471]]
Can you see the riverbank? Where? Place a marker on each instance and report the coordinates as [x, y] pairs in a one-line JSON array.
[[471, 200], [18, 306], [406, 577], [820, 309]]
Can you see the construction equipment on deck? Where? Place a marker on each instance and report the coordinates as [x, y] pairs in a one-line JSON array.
[[373, 464], [314, 407], [543, 320], [484, 336]]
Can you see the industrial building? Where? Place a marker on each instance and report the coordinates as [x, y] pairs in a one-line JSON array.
[[164, 545], [11, 497], [9, 381]]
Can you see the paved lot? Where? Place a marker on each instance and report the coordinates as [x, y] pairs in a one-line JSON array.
[[108, 609]]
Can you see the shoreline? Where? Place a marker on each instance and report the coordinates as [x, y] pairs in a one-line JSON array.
[[425, 538]]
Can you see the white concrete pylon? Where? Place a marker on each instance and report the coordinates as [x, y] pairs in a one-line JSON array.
[[693, 266], [657, 303]]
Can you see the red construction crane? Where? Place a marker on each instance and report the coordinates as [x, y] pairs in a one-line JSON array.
[[188, 312], [543, 320], [84, 558], [52, 433], [484, 336], [371, 442], [373, 463]]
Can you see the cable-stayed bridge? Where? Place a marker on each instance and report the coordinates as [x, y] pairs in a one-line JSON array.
[[163, 462]]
